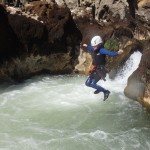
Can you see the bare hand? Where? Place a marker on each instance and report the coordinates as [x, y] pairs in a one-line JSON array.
[[84, 45], [120, 51]]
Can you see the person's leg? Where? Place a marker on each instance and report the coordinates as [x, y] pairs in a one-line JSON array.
[[96, 86], [90, 82], [100, 89]]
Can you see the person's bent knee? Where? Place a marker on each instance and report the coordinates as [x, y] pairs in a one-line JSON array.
[[88, 83], [93, 84]]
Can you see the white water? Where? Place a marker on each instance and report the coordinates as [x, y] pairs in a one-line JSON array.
[[61, 113]]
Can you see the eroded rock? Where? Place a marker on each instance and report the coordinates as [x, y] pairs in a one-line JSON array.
[[49, 42]]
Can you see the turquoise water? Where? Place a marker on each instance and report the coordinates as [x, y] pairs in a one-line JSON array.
[[61, 113]]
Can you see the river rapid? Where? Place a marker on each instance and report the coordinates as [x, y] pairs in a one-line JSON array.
[[61, 113]]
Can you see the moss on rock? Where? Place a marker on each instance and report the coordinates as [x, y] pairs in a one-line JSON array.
[[112, 44]]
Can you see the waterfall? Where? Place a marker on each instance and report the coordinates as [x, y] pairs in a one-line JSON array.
[[119, 83], [130, 66]]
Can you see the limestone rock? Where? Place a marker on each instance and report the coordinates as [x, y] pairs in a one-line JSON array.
[[138, 83], [47, 44]]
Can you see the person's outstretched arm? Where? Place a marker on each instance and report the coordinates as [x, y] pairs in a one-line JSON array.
[[90, 48], [112, 54]]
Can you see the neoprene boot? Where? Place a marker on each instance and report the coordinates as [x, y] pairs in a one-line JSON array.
[[96, 91], [106, 94]]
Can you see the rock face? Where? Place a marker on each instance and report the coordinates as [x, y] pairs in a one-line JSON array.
[[54, 30], [138, 87], [43, 37]]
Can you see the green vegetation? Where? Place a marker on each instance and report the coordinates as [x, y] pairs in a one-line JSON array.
[[112, 45]]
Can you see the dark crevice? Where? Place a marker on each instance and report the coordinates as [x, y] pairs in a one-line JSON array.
[[133, 6], [103, 12], [93, 10]]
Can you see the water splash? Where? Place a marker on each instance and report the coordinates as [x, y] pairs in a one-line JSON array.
[[119, 83], [130, 66]]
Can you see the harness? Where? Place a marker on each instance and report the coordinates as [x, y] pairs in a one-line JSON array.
[[98, 72]]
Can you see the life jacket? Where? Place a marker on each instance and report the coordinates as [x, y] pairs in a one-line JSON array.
[[99, 59]]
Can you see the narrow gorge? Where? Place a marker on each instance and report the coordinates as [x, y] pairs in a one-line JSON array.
[[45, 37]]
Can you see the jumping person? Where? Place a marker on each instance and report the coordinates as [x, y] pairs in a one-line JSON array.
[[98, 70]]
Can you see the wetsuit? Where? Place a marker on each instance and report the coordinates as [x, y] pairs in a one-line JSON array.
[[98, 72]]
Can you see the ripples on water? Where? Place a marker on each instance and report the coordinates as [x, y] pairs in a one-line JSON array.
[[61, 113]]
